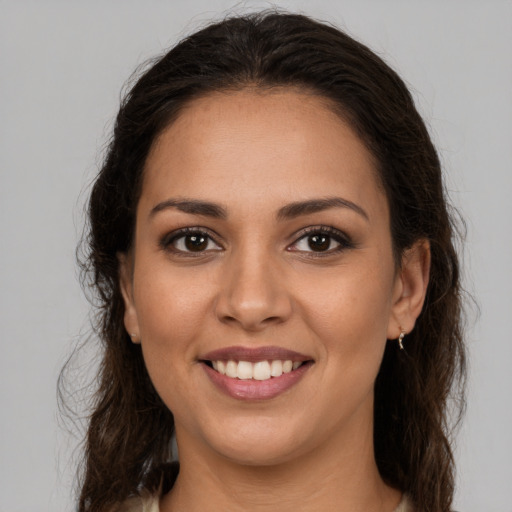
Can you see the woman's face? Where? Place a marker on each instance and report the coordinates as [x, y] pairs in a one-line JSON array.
[[263, 243]]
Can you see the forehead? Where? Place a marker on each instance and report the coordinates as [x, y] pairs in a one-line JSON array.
[[260, 144]]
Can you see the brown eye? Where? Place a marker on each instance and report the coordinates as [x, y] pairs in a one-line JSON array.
[[319, 243], [187, 242], [322, 241], [196, 243]]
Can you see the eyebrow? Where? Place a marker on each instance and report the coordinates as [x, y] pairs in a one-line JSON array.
[[296, 209], [192, 206], [289, 211]]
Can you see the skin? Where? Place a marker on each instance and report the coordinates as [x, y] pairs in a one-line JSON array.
[[259, 283]]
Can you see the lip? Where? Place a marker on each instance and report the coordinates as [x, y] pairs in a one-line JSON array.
[[253, 354], [253, 389]]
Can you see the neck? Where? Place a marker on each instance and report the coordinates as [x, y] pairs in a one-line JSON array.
[[325, 479]]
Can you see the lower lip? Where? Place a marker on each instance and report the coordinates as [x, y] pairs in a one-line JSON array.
[[252, 389]]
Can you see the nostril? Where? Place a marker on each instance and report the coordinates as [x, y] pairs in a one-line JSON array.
[[272, 319], [229, 319], [252, 306]]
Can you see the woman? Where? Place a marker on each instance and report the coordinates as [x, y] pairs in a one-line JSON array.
[[270, 243]]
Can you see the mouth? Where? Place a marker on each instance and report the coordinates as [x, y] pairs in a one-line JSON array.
[[255, 373], [259, 370]]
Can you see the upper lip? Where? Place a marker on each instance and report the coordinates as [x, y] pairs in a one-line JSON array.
[[253, 354]]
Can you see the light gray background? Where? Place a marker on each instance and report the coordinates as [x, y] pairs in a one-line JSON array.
[[62, 66]]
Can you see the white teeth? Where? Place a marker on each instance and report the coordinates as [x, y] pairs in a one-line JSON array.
[[287, 366], [244, 370], [261, 370], [276, 368], [221, 367], [232, 369]]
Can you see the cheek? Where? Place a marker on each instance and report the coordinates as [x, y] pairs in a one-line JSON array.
[[169, 321], [348, 312], [168, 303], [351, 322], [350, 301], [171, 312]]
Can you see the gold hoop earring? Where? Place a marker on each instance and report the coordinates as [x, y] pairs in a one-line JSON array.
[[401, 339]]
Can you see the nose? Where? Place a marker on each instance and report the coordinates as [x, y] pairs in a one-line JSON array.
[[253, 294]]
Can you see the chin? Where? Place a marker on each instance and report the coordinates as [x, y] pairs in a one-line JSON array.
[[259, 444], [256, 456]]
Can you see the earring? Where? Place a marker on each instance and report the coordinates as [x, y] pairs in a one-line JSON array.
[[401, 339], [134, 337]]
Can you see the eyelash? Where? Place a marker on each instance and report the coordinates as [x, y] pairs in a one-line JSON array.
[[167, 241], [332, 233], [343, 241]]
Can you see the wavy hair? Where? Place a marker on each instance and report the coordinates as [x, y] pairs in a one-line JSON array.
[[129, 437]]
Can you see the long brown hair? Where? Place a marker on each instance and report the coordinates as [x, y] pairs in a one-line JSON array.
[[130, 430]]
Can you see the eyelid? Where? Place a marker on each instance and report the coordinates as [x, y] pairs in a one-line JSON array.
[[167, 240], [339, 236]]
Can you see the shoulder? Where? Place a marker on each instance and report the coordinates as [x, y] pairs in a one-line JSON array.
[[405, 505], [140, 504], [161, 479]]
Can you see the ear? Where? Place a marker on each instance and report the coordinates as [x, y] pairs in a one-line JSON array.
[[131, 322], [410, 289]]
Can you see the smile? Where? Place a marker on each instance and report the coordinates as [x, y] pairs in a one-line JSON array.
[[260, 370], [255, 373]]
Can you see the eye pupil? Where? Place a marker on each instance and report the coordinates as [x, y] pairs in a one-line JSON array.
[[319, 242], [196, 242]]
